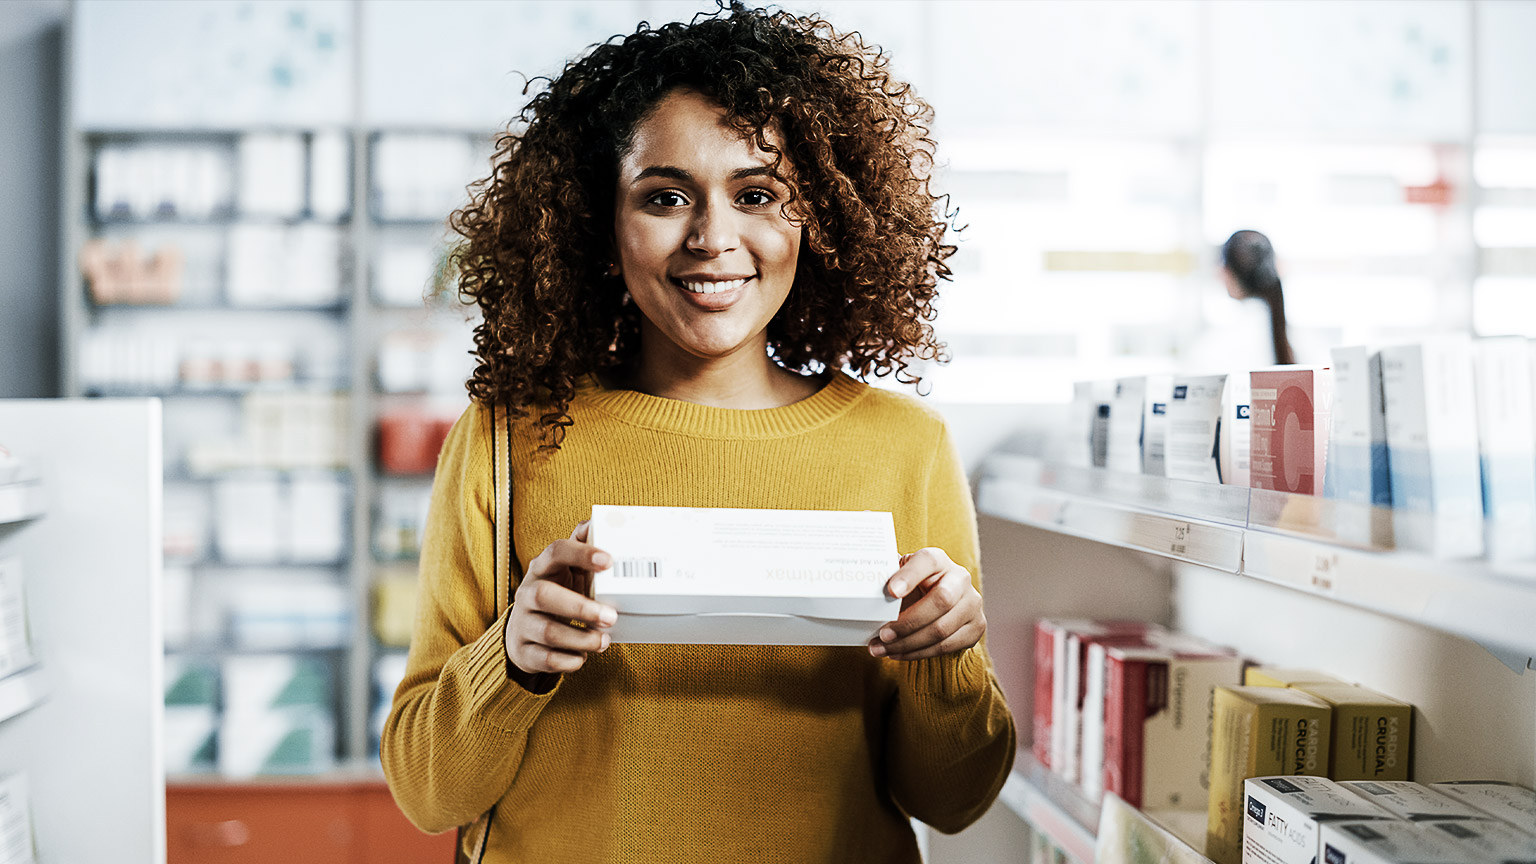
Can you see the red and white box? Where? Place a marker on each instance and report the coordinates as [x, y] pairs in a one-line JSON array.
[[1067, 761], [1157, 720], [1289, 413], [1051, 706]]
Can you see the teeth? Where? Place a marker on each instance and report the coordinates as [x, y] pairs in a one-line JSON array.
[[714, 287]]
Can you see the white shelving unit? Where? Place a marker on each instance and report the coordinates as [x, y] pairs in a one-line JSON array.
[[85, 535], [1298, 541], [1240, 567]]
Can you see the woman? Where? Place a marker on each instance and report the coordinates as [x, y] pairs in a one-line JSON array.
[[1248, 269], [695, 229]]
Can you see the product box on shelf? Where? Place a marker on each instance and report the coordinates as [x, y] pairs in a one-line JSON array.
[[1087, 439], [1506, 428], [15, 632], [1154, 425], [1432, 442], [1069, 698], [1156, 717], [1415, 802], [1491, 840], [1357, 439], [1510, 802], [1257, 732], [1372, 734], [1235, 450], [1276, 676], [17, 845], [1194, 415], [1385, 842], [1050, 685], [1126, 411], [1289, 431], [277, 715], [1281, 817], [745, 577]]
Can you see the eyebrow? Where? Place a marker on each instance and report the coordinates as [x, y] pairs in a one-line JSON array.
[[673, 173]]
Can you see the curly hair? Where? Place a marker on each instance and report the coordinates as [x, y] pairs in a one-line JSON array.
[[538, 233]]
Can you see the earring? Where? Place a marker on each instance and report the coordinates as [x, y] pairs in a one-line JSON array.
[[613, 269]]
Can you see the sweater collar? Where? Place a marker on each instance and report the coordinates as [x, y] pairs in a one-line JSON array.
[[706, 421]]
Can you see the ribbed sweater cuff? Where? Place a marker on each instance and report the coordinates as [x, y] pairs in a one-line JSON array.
[[495, 697], [949, 676]]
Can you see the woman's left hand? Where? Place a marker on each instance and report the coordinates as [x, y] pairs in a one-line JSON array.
[[940, 609]]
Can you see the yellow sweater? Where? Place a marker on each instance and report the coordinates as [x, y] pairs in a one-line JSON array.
[[683, 753]]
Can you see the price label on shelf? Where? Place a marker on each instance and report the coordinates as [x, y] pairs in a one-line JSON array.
[[1325, 570], [1178, 538]]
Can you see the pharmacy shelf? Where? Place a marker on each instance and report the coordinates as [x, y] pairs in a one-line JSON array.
[[20, 501], [1407, 566], [1052, 806], [21, 691], [1089, 832]]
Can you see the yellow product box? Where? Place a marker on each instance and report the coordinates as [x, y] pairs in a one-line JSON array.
[[1372, 734], [1274, 676], [1258, 732]]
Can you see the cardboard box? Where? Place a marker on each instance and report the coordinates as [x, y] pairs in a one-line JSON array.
[[1432, 441], [1507, 801], [1281, 817], [1486, 840], [1258, 732], [16, 841], [717, 576], [1157, 723], [1276, 676], [1154, 425], [1290, 428], [1066, 756], [1194, 414], [1126, 411], [1050, 702], [1506, 428], [1357, 439], [1415, 802], [1089, 768], [1385, 842], [1080, 703], [1372, 734], [1235, 452]]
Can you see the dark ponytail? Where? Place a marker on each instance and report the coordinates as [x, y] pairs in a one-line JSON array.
[[1250, 258]]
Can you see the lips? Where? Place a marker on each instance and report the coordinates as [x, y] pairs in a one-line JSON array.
[[701, 285], [712, 294]]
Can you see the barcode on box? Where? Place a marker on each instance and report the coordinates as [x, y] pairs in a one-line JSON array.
[[636, 568]]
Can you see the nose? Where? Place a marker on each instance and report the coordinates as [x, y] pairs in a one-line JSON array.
[[714, 231]]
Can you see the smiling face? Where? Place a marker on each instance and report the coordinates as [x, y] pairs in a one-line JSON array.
[[703, 243]]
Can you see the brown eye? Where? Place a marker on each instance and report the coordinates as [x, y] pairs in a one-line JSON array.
[[667, 199], [755, 198]]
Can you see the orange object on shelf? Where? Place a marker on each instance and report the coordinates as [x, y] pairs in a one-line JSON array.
[[295, 822], [409, 441]]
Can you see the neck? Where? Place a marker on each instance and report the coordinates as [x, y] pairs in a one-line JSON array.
[[744, 379]]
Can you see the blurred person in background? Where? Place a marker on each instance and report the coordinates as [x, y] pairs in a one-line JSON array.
[[1256, 334], [693, 233]]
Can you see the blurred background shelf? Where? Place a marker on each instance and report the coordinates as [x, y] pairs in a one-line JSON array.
[[21, 501], [22, 691]]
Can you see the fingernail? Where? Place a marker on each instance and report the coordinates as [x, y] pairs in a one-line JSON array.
[[601, 560], [606, 639], [607, 616], [887, 635], [898, 589], [877, 650]]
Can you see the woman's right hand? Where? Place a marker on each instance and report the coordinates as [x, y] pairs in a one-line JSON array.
[[554, 624]]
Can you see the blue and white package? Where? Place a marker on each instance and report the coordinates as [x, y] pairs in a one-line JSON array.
[[1506, 425], [1358, 470]]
